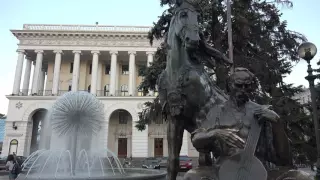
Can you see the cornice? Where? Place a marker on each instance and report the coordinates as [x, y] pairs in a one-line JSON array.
[[89, 42], [20, 34]]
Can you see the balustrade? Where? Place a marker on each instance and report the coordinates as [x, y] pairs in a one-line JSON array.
[[100, 93]]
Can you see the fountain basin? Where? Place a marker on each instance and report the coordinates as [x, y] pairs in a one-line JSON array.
[[130, 174]]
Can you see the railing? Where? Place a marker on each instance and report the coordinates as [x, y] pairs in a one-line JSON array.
[[57, 27], [99, 93]]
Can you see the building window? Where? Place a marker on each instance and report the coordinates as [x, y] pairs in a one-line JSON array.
[[123, 117], [124, 90], [89, 88], [107, 69], [71, 67], [90, 69], [69, 88], [106, 90], [140, 92], [125, 69], [13, 148]]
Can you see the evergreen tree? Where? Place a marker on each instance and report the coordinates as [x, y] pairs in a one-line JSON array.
[[262, 43]]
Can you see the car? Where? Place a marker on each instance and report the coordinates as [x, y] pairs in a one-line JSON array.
[[185, 163], [151, 163], [163, 162]]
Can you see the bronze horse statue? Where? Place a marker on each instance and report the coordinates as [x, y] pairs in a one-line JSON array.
[[186, 92]]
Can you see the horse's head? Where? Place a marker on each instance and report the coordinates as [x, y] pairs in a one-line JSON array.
[[185, 24]]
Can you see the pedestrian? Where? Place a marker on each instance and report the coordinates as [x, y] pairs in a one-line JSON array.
[[9, 166]]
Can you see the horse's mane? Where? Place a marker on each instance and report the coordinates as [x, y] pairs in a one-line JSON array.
[[170, 40]]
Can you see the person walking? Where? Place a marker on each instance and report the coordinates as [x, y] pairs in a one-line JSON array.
[[9, 166]]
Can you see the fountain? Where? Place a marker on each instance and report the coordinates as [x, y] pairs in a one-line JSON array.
[[75, 119]]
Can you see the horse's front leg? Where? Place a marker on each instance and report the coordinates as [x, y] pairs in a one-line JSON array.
[[174, 136]]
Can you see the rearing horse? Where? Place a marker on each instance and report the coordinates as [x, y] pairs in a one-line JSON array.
[[186, 92]]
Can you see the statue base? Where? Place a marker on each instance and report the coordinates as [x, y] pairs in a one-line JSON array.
[[202, 173], [211, 173]]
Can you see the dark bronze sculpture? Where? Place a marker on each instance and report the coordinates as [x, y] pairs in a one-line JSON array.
[[186, 92], [231, 132], [219, 125]]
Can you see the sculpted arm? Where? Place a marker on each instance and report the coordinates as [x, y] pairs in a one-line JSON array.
[[264, 113], [212, 52], [206, 140]]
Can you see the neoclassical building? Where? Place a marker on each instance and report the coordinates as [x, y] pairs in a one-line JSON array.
[[103, 60]]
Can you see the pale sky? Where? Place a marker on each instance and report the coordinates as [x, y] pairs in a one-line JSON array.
[[302, 18]]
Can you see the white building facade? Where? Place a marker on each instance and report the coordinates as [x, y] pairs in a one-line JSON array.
[[103, 60]]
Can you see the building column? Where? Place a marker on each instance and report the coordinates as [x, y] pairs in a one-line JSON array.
[[34, 70], [76, 71], [56, 72], [26, 79], [113, 73], [42, 77], [37, 71], [18, 73], [118, 74], [184, 147], [94, 74], [132, 73], [149, 61], [150, 58], [165, 146], [99, 87]]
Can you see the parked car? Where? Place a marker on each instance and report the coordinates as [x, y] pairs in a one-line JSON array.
[[151, 163], [185, 163], [163, 162]]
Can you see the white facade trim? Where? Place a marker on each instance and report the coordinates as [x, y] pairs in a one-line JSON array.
[[88, 48]]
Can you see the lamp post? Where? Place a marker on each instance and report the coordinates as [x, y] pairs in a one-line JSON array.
[[307, 51]]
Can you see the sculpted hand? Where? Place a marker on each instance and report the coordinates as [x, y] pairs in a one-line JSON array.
[[263, 114], [229, 137]]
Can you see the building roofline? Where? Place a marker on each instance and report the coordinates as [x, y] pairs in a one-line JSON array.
[[84, 28]]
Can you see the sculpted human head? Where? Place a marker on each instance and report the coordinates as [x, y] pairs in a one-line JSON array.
[[240, 84]]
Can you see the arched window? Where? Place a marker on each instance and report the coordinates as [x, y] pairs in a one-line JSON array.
[[106, 90], [13, 148], [124, 90], [89, 88]]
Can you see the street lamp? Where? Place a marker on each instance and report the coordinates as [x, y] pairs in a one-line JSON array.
[[307, 51]]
